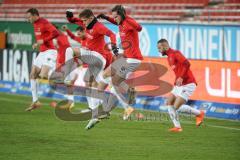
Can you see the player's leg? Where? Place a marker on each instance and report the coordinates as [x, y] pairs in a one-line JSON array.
[[70, 89], [48, 64], [35, 70], [88, 79], [69, 61], [172, 112], [34, 87], [123, 68], [188, 91], [96, 63]]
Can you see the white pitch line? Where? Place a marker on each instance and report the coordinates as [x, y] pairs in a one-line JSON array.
[[115, 113]]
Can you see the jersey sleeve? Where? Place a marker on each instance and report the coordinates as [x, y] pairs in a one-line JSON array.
[[105, 31], [53, 32], [132, 24], [72, 36], [111, 20], [75, 20], [184, 63]]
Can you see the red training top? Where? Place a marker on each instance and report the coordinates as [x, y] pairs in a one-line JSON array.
[[129, 29], [180, 66], [45, 31]]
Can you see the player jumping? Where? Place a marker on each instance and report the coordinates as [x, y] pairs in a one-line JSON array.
[[98, 56], [119, 71], [45, 62]]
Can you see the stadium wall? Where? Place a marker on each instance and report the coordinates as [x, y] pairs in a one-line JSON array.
[[196, 41], [218, 90]]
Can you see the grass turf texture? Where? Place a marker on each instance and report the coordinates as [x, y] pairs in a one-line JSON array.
[[41, 135]]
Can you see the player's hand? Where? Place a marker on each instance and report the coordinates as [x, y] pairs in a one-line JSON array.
[[179, 81], [64, 27], [69, 14], [115, 50], [35, 46], [39, 42], [102, 16], [115, 57]]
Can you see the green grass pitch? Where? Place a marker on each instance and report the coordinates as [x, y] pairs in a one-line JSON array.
[[41, 135]]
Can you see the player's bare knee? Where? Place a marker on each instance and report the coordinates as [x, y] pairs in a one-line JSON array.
[[33, 76], [76, 52]]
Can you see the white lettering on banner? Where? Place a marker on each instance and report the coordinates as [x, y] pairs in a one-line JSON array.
[[20, 38], [201, 44], [170, 34], [231, 93], [227, 45], [15, 68], [238, 46], [211, 44], [145, 43], [175, 36], [220, 42], [223, 91], [210, 90], [10, 66], [4, 65], [24, 69], [189, 43], [181, 40]]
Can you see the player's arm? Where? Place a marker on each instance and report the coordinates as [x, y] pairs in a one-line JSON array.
[[184, 63], [54, 33], [72, 36], [72, 19], [105, 31], [132, 24], [109, 19]]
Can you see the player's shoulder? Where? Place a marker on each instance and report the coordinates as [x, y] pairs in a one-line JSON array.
[[44, 21], [177, 51], [99, 24]]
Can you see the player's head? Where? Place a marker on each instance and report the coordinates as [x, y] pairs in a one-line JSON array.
[[163, 46], [118, 13], [80, 32], [86, 16], [32, 15]]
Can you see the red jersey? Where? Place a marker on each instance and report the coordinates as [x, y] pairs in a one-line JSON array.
[[95, 33], [180, 66], [129, 29], [63, 44], [45, 31], [78, 39]]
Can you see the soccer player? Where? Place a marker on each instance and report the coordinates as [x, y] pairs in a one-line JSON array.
[[80, 36], [98, 55], [184, 86], [64, 48], [45, 62], [131, 59]]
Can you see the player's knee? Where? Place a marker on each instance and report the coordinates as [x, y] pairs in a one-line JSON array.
[[87, 84], [43, 76], [115, 83], [33, 76]]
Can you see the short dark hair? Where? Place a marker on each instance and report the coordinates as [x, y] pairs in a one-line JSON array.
[[80, 28], [162, 41], [119, 9], [86, 13], [33, 11]]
